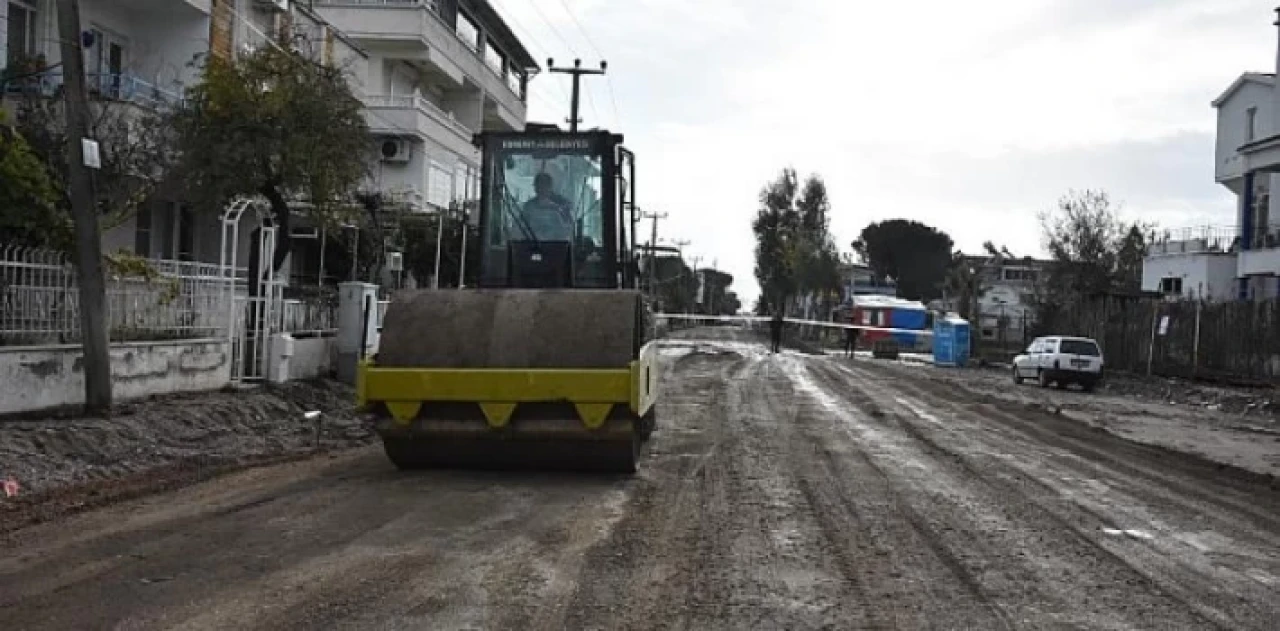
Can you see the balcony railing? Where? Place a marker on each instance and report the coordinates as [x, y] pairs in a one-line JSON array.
[[1214, 239], [422, 105], [111, 86]]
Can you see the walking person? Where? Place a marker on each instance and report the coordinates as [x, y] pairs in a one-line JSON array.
[[775, 330], [850, 341]]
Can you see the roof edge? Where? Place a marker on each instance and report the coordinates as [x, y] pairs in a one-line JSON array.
[[1263, 78]]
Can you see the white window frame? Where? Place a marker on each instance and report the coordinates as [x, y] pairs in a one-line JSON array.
[[1250, 122], [437, 195], [31, 30]]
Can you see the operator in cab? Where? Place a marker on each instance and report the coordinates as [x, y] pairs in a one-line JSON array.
[[547, 213]]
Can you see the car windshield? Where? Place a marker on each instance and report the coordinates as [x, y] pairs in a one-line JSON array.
[[1078, 347]]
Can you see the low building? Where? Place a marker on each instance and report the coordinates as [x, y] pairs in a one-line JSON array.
[[1006, 303]]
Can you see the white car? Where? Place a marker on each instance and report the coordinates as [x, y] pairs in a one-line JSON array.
[[1061, 360]]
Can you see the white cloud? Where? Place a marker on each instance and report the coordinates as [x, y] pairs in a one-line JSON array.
[[968, 116]]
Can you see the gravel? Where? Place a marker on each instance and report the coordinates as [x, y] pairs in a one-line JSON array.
[[65, 463]]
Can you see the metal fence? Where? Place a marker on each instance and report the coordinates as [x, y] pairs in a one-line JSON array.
[[39, 300], [311, 315]]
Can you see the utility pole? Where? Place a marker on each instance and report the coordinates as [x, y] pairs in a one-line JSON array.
[[680, 284], [653, 252], [577, 71], [93, 294]]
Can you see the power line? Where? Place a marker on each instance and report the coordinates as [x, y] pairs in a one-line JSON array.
[[577, 71], [527, 34], [563, 40], [617, 118]]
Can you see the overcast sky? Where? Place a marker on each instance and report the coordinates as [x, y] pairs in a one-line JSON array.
[[968, 116]]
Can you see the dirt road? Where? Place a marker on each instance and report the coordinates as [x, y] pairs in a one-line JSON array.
[[783, 491]]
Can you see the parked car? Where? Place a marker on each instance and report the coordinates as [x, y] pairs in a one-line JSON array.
[[1060, 360]]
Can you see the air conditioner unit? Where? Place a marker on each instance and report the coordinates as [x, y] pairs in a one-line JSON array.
[[278, 5], [304, 233], [395, 261], [395, 150]]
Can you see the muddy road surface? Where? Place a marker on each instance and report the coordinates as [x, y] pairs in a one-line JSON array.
[[780, 491]]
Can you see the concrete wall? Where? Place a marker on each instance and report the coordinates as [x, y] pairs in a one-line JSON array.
[[312, 357], [1232, 127], [37, 378], [1257, 262], [1207, 275]]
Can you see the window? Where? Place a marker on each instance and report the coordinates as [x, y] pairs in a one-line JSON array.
[[104, 62], [1250, 122], [1171, 285], [551, 195], [1019, 273], [513, 81], [1079, 347], [494, 58], [439, 186], [22, 31], [142, 232], [468, 32]]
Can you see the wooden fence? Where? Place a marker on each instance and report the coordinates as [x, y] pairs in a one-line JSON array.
[[1231, 341]]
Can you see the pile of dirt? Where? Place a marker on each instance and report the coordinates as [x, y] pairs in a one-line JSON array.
[[1260, 402], [172, 440]]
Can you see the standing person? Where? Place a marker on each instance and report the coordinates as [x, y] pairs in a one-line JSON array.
[[850, 341], [775, 330]]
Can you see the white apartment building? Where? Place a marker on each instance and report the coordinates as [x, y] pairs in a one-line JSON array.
[[439, 71], [1240, 261], [431, 73]]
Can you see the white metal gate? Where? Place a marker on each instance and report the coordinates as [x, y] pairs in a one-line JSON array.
[[257, 313]]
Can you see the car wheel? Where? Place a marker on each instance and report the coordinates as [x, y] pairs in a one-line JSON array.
[[1017, 378], [1043, 378]]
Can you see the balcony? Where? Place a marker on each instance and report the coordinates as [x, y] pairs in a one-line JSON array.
[[1196, 240], [417, 26], [122, 87], [397, 114]]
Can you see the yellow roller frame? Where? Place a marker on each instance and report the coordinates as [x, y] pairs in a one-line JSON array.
[[593, 392]]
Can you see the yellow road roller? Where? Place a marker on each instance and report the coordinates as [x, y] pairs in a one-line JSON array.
[[549, 362]]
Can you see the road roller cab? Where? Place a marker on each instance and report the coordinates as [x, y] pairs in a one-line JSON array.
[[549, 362]]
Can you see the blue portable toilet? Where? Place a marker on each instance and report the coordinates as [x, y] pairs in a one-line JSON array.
[[950, 341]]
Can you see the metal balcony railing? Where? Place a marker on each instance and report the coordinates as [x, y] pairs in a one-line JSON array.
[[113, 86]]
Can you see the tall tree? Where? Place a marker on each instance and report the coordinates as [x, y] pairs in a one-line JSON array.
[[915, 255], [795, 254], [279, 125], [776, 225]]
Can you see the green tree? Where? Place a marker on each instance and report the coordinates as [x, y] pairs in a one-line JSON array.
[[135, 146], [776, 226], [1093, 250], [795, 253], [275, 124], [1091, 247], [28, 213], [915, 255]]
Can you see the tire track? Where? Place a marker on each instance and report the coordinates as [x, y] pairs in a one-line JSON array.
[[1222, 598]]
